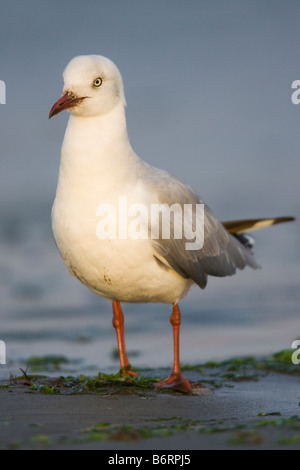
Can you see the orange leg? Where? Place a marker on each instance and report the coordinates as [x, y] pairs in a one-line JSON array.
[[176, 379], [118, 324]]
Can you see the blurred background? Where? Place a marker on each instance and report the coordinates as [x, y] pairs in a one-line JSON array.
[[208, 89]]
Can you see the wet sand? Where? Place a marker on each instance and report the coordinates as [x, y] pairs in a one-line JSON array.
[[259, 413]]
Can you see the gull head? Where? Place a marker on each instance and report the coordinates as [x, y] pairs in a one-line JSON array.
[[93, 86]]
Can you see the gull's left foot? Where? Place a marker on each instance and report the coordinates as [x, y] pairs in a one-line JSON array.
[[176, 382], [124, 371]]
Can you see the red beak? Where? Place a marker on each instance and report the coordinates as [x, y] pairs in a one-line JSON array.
[[65, 102]]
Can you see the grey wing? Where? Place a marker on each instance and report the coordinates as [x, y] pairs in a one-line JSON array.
[[221, 253]]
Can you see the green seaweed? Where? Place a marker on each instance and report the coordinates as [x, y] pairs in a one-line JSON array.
[[15, 445], [292, 423], [41, 439], [127, 432], [48, 362], [289, 440], [225, 373], [248, 437], [4, 386], [212, 373], [45, 389], [104, 380]]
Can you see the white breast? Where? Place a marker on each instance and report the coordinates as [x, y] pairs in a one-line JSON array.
[[94, 174]]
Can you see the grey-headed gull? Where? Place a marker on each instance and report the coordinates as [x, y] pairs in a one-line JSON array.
[[106, 197]]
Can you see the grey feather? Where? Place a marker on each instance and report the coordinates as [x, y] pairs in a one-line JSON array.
[[221, 254]]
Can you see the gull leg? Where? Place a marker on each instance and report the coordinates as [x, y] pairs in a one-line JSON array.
[[118, 324], [176, 379]]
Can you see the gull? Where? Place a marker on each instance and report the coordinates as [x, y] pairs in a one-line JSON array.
[[98, 169]]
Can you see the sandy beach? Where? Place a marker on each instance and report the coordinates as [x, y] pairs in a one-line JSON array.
[[246, 408]]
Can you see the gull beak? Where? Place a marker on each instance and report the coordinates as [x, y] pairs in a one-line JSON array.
[[66, 101]]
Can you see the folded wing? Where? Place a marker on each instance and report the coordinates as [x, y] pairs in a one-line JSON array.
[[221, 253]]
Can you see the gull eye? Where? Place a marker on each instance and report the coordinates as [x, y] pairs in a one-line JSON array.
[[97, 82]]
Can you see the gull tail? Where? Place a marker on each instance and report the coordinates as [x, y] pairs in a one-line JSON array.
[[237, 227]]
